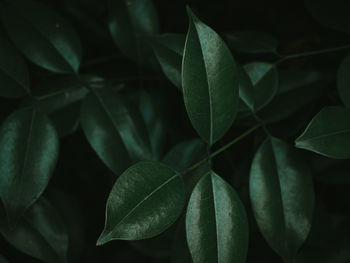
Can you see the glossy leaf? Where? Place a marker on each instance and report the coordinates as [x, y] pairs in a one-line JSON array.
[[343, 80], [328, 133], [145, 200], [169, 50], [114, 129], [14, 77], [252, 42], [209, 81], [42, 35], [282, 197], [216, 222], [28, 153], [332, 14], [129, 22], [40, 233], [264, 78]]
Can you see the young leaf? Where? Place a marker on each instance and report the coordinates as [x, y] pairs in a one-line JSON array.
[[264, 79], [216, 223], [14, 77], [129, 21], [169, 50], [252, 42], [282, 197], [114, 129], [28, 153], [40, 233], [344, 80], [332, 14], [328, 133], [42, 35], [145, 200], [209, 81]]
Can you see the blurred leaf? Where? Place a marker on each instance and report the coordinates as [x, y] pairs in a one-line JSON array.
[[130, 21], [332, 14], [209, 81], [343, 80], [216, 222], [28, 153], [3, 260], [42, 35], [328, 133], [264, 79], [145, 200], [40, 233], [14, 76], [169, 50], [74, 219], [282, 197], [252, 42]]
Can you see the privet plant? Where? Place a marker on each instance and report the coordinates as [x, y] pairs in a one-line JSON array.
[[200, 147]]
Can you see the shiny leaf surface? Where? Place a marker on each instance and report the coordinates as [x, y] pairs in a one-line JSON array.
[[215, 211], [41, 234], [328, 133], [169, 50], [209, 81], [282, 196], [14, 77], [28, 153], [42, 35], [145, 200]]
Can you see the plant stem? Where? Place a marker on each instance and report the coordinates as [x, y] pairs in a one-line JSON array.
[[311, 53], [222, 149]]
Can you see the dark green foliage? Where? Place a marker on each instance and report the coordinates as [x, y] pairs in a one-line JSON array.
[[174, 131]]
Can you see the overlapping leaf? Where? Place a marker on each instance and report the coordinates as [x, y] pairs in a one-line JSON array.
[[328, 133], [145, 200], [209, 81], [42, 35], [282, 197], [215, 211], [40, 233], [28, 153]]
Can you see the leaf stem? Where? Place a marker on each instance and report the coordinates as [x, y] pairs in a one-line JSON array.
[[311, 53], [222, 149]]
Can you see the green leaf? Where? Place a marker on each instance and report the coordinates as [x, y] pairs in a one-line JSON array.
[[14, 76], [28, 153], [114, 129], [42, 35], [264, 79], [40, 233], [332, 14], [209, 81], [155, 123], [3, 260], [282, 196], [169, 50], [328, 133], [216, 222], [252, 42], [343, 80], [130, 21], [145, 200]]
